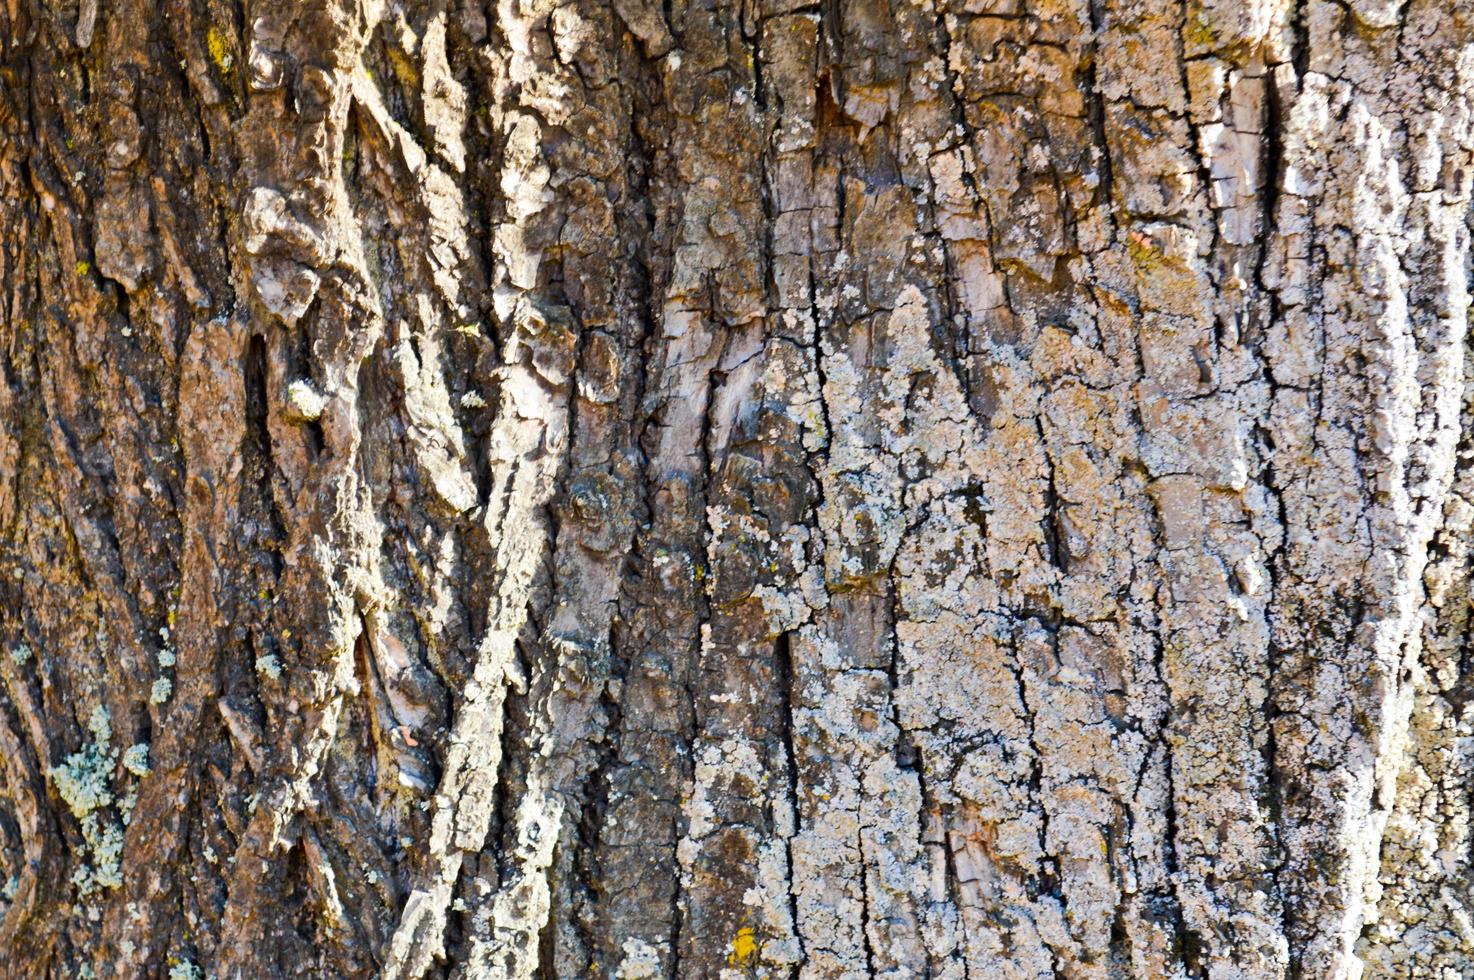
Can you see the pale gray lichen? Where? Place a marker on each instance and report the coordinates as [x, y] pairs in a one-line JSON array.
[[135, 760], [105, 842], [166, 657], [20, 653], [185, 970], [641, 960], [268, 665], [163, 687], [11, 886], [82, 781]]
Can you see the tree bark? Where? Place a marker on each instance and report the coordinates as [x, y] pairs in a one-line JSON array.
[[958, 488]]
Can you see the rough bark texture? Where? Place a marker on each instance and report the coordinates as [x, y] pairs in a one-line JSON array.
[[507, 488]]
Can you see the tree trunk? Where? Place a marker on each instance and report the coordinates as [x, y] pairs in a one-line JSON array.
[[958, 488]]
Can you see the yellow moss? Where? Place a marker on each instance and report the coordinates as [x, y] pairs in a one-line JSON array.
[[219, 51], [1199, 33], [83, 268], [1144, 251], [404, 68], [744, 947]]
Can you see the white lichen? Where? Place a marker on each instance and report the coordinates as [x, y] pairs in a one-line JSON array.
[[304, 403]]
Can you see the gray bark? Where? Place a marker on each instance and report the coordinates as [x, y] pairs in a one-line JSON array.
[[958, 488]]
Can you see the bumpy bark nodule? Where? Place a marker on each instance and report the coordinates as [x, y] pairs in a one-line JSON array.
[[961, 488]]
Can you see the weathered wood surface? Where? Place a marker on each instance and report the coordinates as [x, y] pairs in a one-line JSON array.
[[973, 488]]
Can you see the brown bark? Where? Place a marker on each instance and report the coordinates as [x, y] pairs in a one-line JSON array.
[[963, 488]]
